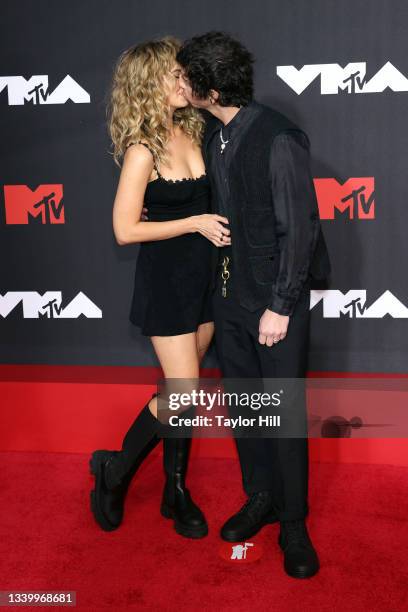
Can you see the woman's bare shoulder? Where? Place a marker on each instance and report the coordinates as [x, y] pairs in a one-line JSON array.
[[139, 152]]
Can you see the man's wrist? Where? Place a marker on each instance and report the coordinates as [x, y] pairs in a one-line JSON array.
[[275, 312], [282, 305]]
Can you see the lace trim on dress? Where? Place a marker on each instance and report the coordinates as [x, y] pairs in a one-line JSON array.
[[182, 180]]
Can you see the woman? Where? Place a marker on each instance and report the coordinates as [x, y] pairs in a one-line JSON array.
[[159, 135]]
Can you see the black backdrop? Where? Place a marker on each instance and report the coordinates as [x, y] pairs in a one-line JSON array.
[[357, 134]]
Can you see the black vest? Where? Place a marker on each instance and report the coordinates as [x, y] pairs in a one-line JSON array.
[[252, 221]]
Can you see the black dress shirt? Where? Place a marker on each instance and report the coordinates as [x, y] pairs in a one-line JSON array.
[[290, 182]]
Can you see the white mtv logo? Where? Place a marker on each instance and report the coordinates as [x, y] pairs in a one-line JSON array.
[[35, 90], [352, 78], [239, 551], [36, 306], [353, 303]]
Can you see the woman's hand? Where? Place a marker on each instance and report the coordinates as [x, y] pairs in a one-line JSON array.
[[210, 226]]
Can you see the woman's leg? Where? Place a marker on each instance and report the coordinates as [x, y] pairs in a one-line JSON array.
[[205, 333], [180, 357], [114, 470]]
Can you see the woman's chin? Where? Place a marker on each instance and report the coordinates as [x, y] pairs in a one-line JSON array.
[[182, 102]]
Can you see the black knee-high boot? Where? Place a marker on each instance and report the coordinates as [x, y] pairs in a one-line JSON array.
[[177, 504], [114, 470]]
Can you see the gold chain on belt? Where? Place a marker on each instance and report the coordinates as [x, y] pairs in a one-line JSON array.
[[225, 274]]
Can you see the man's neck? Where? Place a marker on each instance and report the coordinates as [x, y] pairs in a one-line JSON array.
[[224, 113]]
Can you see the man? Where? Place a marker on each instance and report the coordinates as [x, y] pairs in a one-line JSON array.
[[258, 163]]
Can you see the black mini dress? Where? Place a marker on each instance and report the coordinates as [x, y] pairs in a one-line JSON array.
[[171, 293]]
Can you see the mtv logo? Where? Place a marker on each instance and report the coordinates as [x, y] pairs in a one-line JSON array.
[[24, 206], [353, 304], [351, 79], [35, 90], [48, 305], [354, 197]]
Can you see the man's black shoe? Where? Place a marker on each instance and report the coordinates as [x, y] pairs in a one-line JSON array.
[[107, 498], [301, 560], [254, 514]]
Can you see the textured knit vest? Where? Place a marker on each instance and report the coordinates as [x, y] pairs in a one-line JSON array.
[[252, 219], [254, 152]]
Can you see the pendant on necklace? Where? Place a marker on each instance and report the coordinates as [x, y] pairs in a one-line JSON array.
[[223, 142]]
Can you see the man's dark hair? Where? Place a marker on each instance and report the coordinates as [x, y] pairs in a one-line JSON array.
[[217, 61]]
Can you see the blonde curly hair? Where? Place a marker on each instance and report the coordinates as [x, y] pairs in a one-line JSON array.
[[137, 108]]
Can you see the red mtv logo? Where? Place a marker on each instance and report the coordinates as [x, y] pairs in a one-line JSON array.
[[356, 196], [43, 205]]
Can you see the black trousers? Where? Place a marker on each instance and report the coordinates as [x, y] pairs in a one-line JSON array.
[[276, 464]]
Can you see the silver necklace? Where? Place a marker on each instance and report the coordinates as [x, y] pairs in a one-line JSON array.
[[223, 142]]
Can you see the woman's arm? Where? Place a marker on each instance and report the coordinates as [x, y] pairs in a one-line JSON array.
[[127, 225]]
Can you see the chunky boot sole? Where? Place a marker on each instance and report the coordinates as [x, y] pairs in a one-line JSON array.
[[299, 573], [245, 535], [95, 466], [188, 532]]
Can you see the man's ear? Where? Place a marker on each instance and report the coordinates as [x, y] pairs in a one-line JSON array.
[[213, 97]]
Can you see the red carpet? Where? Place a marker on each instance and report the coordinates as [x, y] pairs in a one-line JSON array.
[[49, 540]]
